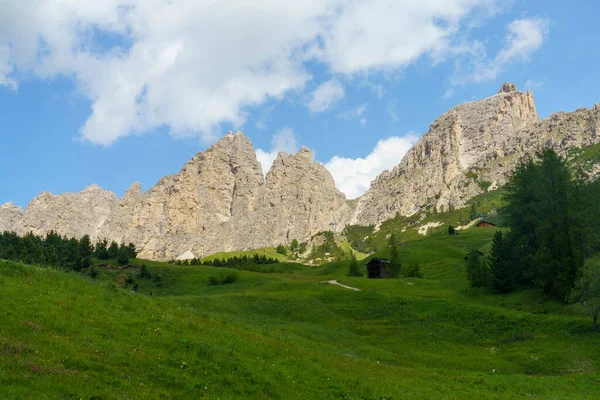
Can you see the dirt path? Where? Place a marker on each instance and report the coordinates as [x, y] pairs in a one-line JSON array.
[[339, 284]]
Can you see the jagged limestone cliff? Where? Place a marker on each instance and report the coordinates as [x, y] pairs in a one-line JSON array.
[[470, 149], [219, 201]]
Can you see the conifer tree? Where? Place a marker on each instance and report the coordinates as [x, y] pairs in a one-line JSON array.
[[504, 274], [395, 265], [353, 269]]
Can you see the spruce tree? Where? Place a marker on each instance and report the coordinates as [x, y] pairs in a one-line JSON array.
[[504, 274], [85, 247], [113, 250], [353, 269], [395, 265]]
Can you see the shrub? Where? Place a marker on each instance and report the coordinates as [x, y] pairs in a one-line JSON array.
[[353, 269], [281, 249], [93, 272], [144, 273], [451, 230], [413, 271]]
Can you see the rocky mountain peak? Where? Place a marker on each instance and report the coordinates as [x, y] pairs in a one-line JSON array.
[[507, 87]]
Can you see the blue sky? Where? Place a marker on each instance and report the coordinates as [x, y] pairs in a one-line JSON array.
[[118, 91]]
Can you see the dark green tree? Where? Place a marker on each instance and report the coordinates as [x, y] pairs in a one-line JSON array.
[[451, 230], [123, 256], [85, 247], [294, 245], [503, 269], [113, 250], [102, 250], [478, 272], [587, 289], [281, 249], [395, 264], [353, 268]]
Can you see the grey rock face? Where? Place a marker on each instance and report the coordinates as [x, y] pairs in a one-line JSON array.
[[10, 218], [470, 147]]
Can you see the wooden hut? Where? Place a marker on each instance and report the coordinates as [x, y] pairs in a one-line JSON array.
[[485, 224], [378, 268]]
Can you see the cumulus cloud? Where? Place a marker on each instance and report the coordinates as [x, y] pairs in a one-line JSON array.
[[353, 176], [325, 96], [192, 65], [285, 141]]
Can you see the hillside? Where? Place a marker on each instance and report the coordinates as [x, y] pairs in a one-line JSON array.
[[288, 335]]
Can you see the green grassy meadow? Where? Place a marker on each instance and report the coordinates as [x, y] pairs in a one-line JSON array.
[[288, 335]]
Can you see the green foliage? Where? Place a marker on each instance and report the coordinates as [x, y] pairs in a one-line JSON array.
[[478, 272], [85, 247], [553, 221], [123, 256], [144, 273], [359, 237], [395, 264], [329, 246], [281, 249], [353, 268], [302, 247], [294, 245], [504, 271], [413, 271], [101, 251], [451, 230], [473, 214], [587, 289], [113, 250], [222, 279]]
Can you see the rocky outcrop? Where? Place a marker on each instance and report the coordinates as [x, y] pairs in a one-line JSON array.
[[470, 149], [70, 214], [10, 218]]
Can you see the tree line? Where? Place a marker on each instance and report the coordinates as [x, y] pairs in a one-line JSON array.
[[232, 262], [553, 216], [55, 250]]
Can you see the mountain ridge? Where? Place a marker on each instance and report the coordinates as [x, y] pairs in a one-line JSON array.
[[221, 201]]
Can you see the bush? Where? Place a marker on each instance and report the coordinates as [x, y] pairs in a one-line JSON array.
[[222, 279], [144, 272], [353, 269], [93, 272], [413, 271], [451, 230], [281, 249], [123, 257], [478, 273]]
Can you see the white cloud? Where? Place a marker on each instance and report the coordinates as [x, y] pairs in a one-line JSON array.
[[532, 84], [353, 176], [524, 37], [192, 65], [325, 96], [354, 112], [284, 140]]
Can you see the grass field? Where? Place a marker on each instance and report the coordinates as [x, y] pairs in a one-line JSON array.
[[288, 335]]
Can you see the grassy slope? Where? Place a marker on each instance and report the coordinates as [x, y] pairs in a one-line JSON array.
[[287, 335]]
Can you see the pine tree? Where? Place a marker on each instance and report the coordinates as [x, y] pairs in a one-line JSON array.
[[85, 247], [353, 269], [504, 274], [113, 250], [102, 250], [478, 273], [395, 265]]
